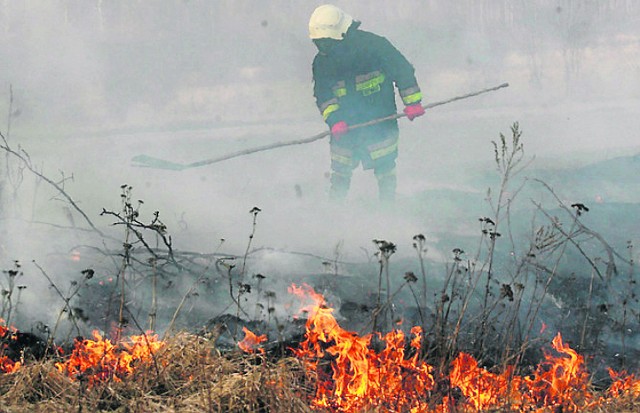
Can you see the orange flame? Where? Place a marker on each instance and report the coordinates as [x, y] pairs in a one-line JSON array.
[[482, 389], [624, 384], [7, 365], [7, 331], [251, 341], [561, 380], [3, 329], [103, 360], [351, 377], [361, 377], [558, 381]]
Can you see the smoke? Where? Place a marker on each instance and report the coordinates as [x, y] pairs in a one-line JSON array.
[[86, 86]]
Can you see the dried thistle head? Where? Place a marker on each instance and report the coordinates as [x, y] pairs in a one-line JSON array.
[[410, 277], [385, 247], [506, 292], [580, 208]]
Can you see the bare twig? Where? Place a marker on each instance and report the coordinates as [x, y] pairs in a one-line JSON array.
[[27, 163]]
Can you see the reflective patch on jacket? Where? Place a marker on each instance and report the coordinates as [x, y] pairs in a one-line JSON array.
[[369, 83], [384, 148], [340, 89], [341, 155], [328, 107], [411, 95]]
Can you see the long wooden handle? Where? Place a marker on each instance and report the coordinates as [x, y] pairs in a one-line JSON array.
[[150, 162], [327, 133]]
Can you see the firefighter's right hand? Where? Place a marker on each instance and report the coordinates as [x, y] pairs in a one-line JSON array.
[[413, 111], [339, 129]]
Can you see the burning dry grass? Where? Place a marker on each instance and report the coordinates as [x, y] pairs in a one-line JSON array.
[[187, 375], [334, 370]]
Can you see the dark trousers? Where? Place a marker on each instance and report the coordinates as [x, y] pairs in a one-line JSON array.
[[376, 149]]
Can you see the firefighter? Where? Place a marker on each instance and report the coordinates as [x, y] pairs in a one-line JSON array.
[[354, 75]]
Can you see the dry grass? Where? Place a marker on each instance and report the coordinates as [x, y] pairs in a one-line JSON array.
[[188, 375]]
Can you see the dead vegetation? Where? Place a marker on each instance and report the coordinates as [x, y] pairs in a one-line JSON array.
[[192, 376], [189, 374], [484, 305]]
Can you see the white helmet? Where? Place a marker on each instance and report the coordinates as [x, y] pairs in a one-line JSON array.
[[328, 21]]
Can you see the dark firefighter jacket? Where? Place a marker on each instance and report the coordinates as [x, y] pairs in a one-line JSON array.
[[354, 81]]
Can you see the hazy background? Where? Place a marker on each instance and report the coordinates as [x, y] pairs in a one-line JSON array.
[[87, 85]]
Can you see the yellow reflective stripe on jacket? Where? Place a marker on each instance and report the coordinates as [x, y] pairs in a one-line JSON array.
[[416, 97], [341, 155], [386, 150], [327, 103], [329, 110], [411, 95], [341, 158], [340, 89], [328, 107], [369, 83]]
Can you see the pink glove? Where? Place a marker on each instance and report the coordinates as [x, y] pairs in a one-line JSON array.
[[413, 111], [339, 129]]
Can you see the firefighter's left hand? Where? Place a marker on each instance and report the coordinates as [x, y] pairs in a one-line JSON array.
[[413, 111], [339, 129]]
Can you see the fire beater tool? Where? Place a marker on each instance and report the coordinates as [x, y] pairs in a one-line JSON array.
[[146, 161]]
